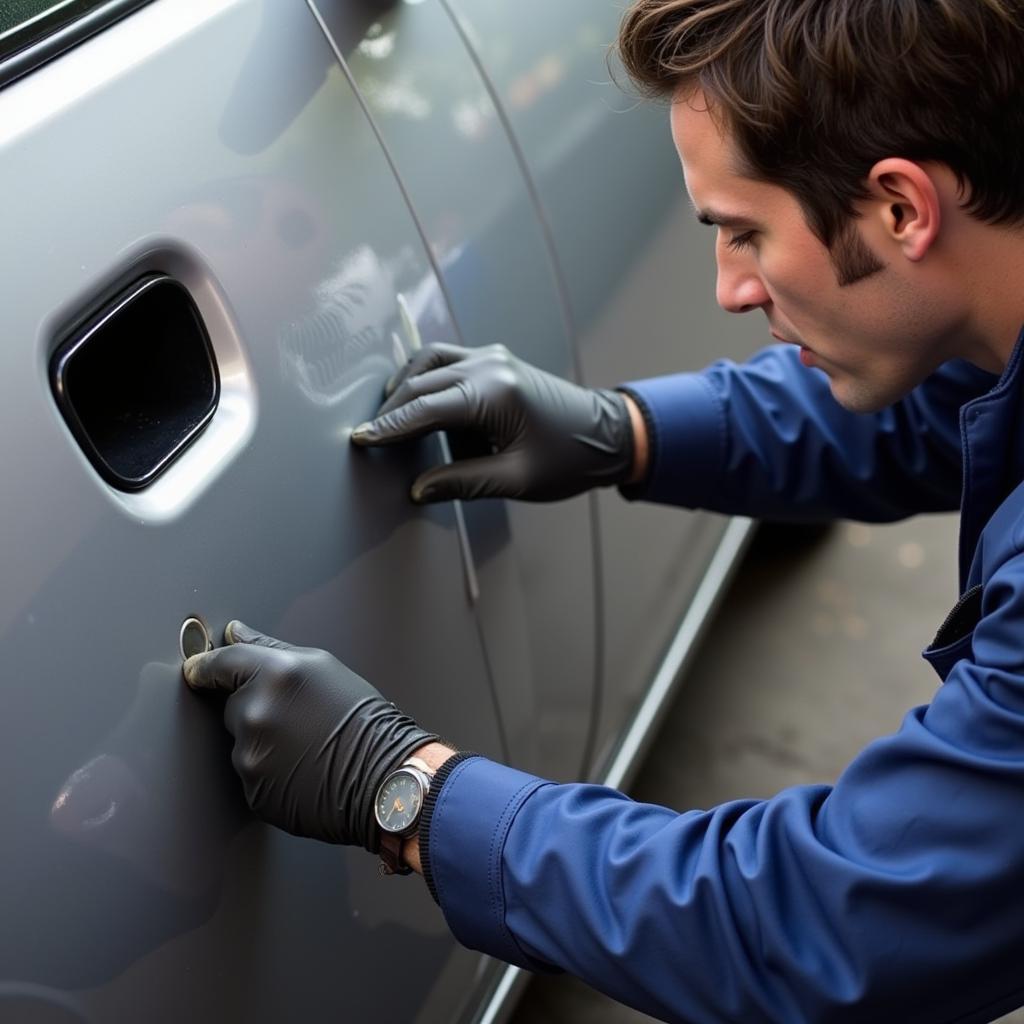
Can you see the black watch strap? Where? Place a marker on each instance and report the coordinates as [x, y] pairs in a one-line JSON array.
[[391, 862]]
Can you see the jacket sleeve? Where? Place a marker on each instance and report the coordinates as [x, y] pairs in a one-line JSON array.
[[893, 896], [767, 439]]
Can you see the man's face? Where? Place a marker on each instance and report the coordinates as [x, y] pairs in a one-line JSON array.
[[861, 313]]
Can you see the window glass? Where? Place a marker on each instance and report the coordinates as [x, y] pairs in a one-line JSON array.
[[18, 13], [34, 31]]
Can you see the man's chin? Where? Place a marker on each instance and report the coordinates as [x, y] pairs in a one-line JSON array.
[[861, 397]]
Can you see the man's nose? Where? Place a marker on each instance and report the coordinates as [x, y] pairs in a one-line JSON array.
[[738, 290]]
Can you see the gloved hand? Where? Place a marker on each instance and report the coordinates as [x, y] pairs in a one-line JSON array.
[[551, 438], [313, 741]]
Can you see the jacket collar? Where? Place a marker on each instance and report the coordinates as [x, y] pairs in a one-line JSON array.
[[993, 454]]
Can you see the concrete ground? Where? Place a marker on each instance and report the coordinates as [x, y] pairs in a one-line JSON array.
[[815, 653]]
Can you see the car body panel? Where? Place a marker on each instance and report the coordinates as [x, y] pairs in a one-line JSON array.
[[534, 563], [138, 885]]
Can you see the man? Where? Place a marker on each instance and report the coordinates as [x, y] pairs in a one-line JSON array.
[[863, 166]]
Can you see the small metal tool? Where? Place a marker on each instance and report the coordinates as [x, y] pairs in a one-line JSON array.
[[194, 638]]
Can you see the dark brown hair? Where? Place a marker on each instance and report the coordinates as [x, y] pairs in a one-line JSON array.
[[815, 92]]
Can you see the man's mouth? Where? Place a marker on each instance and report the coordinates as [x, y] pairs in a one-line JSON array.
[[806, 355]]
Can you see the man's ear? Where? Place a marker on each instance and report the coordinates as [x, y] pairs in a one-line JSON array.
[[907, 201]]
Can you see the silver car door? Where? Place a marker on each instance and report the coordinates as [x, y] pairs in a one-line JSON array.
[[638, 277], [448, 141], [220, 145]]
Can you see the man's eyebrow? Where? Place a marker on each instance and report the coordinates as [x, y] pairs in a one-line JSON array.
[[725, 220]]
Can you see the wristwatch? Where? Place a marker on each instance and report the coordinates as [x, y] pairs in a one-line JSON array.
[[397, 808]]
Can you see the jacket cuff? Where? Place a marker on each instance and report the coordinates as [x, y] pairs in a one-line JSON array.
[[462, 839], [423, 828], [686, 436]]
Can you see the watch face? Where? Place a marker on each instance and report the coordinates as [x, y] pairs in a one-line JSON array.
[[398, 802]]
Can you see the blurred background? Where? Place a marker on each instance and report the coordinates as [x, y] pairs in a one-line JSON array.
[[830, 623]]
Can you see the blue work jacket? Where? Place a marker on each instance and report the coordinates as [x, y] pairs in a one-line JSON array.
[[895, 895]]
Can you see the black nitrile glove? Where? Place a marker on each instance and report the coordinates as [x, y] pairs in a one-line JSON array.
[[551, 438], [313, 741]]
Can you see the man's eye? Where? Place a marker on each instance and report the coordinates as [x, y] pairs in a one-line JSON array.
[[741, 241]]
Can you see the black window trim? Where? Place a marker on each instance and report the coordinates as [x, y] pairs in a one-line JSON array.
[[54, 32]]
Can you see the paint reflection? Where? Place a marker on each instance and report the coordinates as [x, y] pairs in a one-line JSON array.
[[143, 828], [22, 1003]]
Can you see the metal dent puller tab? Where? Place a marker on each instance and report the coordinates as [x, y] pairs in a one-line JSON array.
[[194, 638]]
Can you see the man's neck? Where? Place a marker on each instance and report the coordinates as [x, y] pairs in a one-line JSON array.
[[996, 279]]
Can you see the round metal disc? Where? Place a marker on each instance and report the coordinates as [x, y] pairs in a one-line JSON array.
[[194, 638]]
